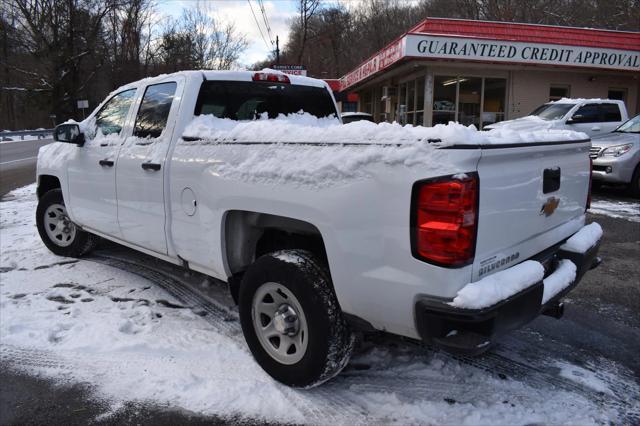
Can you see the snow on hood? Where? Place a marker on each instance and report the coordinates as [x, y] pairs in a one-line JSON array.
[[306, 128]]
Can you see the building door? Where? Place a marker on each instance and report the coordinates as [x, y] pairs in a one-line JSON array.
[[141, 168]]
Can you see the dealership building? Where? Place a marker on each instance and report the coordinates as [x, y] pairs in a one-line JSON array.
[[477, 72]]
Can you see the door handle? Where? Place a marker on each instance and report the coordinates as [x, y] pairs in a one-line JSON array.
[[595, 128], [151, 166], [106, 163]]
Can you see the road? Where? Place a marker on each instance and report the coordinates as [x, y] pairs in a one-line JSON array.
[[18, 163]]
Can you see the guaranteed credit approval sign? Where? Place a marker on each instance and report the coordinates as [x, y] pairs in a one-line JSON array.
[[520, 52]]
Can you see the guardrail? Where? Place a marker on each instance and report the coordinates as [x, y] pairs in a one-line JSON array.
[[40, 134]]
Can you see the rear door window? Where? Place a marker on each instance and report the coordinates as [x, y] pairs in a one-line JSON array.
[[589, 113], [243, 100], [610, 112], [154, 110]]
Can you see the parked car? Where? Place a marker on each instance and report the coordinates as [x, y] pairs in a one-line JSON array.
[[590, 116], [350, 117], [318, 229], [616, 156]]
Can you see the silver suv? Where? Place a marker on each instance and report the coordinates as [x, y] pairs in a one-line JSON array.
[[616, 156]]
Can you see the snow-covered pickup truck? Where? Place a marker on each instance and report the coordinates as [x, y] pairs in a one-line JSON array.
[[322, 229], [591, 116]]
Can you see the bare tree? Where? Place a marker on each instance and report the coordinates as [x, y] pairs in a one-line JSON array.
[[306, 10]]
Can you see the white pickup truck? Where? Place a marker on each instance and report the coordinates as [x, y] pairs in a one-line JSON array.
[[590, 116], [323, 229]]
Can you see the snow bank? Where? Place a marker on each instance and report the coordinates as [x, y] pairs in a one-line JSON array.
[[499, 286], [306, 128], [584, 239], [564, 275]]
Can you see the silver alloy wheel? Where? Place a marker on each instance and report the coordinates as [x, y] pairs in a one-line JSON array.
[[279, 322], [59, 228]]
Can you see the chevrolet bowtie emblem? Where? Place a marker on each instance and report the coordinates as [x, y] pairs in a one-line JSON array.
[[550, 206]]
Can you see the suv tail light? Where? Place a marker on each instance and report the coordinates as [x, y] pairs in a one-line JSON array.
[[271, 77], [444, 220], [590, 185]]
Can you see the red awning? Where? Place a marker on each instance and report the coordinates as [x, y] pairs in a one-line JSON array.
[[532, 33]]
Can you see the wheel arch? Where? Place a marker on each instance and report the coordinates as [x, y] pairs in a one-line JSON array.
[[46, 183], [247, 235]]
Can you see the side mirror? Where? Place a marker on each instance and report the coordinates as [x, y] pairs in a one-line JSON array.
[[68, 133], [570, 121]]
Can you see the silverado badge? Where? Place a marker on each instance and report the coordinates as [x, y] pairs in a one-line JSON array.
[[550, 206]]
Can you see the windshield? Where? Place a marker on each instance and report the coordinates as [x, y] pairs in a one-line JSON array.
[[248, 100], [631, 126], [552, 111]]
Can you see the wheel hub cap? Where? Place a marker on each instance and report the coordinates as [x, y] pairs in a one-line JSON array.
[[285, 320], [279, 323], [59, 228]]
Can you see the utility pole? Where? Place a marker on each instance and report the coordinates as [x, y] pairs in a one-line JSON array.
[[277, 51]]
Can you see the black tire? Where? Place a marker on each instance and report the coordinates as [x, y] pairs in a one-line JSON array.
[[634, 185], [330, 341], [81, 243]]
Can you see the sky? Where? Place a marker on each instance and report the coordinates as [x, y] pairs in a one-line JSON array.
[[279, 13]]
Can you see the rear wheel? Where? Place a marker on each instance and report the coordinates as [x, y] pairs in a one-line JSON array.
[[291, 319], [57, 231]]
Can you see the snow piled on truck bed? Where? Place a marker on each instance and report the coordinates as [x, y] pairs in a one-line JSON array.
[[77, 321], [306, 128]]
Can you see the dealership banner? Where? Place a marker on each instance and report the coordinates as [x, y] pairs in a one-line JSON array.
[[469, 49]]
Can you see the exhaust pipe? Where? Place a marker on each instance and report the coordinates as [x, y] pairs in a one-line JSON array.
[[555, 310]]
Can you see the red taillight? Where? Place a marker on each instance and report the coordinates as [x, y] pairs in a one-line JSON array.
[[271, 77], [590, 185], [445, 220]]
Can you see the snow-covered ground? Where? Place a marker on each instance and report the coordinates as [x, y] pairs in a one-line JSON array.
[[629, 210], [133, 339]]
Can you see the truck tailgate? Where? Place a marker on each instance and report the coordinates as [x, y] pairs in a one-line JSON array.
[[532, 196]]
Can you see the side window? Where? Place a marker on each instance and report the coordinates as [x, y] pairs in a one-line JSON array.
[[154, 110], [610, 112], [110, 119], [589, 113]]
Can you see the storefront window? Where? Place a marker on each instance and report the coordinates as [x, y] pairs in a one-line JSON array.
[[469, 93], [366, 102], [557, 92], [419, 101], [468, 100], [493, 107], [402, 104], [444, 100]]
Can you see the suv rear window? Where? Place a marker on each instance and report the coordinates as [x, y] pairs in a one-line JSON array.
[[247, 100]]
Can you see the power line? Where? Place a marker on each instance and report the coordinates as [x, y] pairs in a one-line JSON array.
[[266, 20], [258, 24]]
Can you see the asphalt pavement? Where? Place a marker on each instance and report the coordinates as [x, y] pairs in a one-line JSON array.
[[18, 163]]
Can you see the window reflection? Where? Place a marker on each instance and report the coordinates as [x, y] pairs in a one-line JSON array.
[[154, 110], [110, 119]]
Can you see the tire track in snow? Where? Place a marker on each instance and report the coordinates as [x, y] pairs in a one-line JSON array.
[[226, 322], [500, 365]]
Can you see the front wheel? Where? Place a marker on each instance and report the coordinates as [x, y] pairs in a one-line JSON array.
[[291, 319], [57, 231]]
